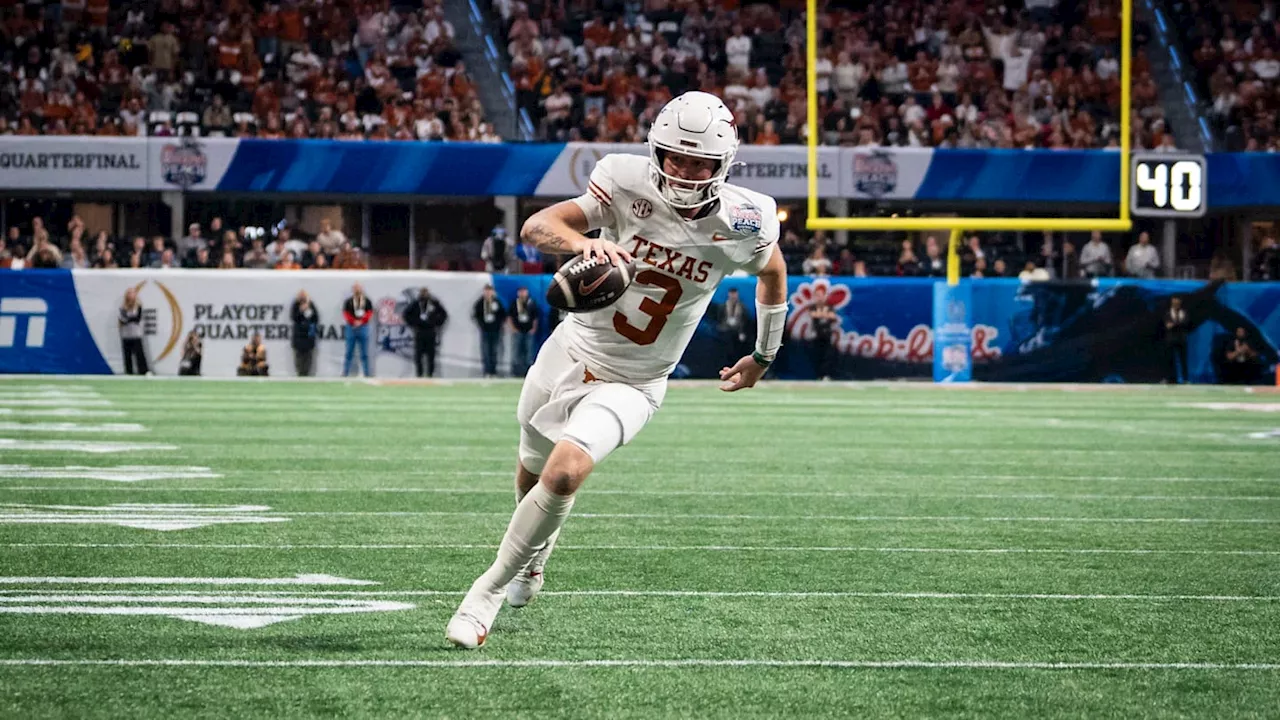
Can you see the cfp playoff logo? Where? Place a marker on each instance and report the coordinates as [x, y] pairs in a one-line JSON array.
[[33, 309]]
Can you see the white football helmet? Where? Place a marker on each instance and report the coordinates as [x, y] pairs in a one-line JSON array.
[[696, 124]]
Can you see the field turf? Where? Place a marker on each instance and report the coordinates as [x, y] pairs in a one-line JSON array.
[[791, 551]]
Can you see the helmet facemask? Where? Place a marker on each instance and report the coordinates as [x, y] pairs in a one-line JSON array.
[[679, 192]]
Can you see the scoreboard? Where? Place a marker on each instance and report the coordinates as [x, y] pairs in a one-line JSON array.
[[1168, 185]]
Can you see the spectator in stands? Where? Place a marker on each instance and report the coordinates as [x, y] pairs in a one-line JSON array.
[[1095, 258], [908, 263], [973, 251], [496, 251], [163, 49], [155, 253], [528, 257], [349, 258], [130, 324], [253, 358], [188, 245], [817, 264], [1221, 267], [1266, 263], [523, 321], [1176, 327], [192, 355], [357, 312], [426, 316], [167, 261], [934, 265], [489, 315], [1033, 273], [305, 333], [75, 259], [287, 262], [330, 238], [1070, 261], [257, 258], [217, 117], [1142, 259]]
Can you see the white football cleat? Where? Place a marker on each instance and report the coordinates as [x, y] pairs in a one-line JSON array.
[[524, 588], [466, 631], [470, 625]]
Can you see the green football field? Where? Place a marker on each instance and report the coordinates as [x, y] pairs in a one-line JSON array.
[[249, 549]]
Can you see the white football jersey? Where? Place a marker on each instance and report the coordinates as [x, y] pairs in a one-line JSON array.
[[680, 262]]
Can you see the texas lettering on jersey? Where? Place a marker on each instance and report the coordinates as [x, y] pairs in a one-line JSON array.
[[643, 335], [670, 260]]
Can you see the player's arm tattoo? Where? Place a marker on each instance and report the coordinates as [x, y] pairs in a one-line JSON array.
[[545, 239]]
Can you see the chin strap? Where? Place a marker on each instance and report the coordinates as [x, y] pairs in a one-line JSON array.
[[770, 321]]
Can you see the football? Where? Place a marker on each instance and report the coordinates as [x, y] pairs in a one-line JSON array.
[[583, 285]]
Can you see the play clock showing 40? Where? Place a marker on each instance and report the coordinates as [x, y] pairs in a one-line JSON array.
[[1168, 185]]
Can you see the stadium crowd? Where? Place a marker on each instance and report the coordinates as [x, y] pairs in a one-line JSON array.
[[916, 73], [226, 248], [298, 68], [923, 73], [1233, 49]]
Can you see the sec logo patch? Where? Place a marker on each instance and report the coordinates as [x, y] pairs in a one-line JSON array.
[[642, 208]]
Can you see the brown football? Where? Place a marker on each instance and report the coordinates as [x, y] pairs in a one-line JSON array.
[[583, 285]]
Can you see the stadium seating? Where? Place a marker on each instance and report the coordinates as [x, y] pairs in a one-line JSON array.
[[1233, 48], [913, 74], [333, 68]]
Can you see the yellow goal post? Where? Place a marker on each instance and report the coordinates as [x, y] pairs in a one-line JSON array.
[[959, 225]]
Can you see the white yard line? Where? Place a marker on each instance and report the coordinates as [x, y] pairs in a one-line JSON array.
[[649, 664], [85, 446], [793, 518], [728, 594], [645, 548], [59, 412], [85, 401], [71, 427], [301, 579], [656, 493], [613, 475]]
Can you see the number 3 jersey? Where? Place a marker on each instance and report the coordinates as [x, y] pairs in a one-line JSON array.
[[680, 262]]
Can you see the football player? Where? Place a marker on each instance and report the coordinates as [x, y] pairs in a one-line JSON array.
[[602, 374]]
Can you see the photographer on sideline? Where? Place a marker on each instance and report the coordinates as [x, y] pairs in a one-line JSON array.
[[253, 359], [130, 322], [306, 328], [426, 317]]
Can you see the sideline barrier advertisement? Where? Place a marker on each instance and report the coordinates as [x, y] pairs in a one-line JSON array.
[[60, 321], [372, 168], [226, 307]]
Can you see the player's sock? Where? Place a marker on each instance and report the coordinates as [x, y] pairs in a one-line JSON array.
[[537, 518], [539, 559]]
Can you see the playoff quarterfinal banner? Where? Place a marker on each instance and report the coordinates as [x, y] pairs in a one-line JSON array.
[[561, 170], [777, 171]]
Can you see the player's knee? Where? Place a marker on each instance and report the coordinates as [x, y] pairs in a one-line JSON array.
[[534, 450], [566, 469]]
